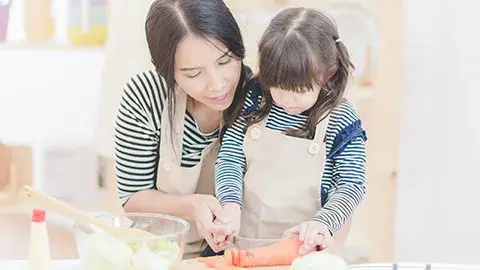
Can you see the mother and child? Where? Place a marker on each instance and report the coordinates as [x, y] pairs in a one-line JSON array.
[[246, 158]]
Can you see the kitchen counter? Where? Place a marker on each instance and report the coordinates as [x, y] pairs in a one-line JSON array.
[[15, 235], [75, 265], [15, 229]]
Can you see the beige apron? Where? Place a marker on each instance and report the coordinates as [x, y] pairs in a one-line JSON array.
[[174, 179], [282, 183]]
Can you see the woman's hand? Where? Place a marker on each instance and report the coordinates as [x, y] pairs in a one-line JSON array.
[[206, 209], [311, 233]]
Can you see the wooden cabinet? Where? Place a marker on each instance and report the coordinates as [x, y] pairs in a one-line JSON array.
[[372, 30]]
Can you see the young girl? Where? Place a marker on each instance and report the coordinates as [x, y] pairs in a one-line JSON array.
[[294, 162]]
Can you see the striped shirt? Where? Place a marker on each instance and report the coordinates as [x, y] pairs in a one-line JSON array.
[[137, 135], [343, 182]]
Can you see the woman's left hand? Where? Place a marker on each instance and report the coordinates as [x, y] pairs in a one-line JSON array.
[[311, 233]]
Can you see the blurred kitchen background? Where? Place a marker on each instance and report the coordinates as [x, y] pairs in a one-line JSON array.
[[63, 64]]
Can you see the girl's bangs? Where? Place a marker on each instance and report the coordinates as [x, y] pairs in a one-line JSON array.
[[288, 64]]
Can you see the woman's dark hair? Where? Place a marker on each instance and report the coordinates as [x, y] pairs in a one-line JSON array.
[[299, 48], [169, 21]]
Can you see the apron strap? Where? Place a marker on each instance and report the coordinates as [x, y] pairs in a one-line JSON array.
[[321, 129], [171, 137], [157, 161]]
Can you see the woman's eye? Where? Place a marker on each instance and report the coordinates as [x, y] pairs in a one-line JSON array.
[[224, 62], [193, 75]]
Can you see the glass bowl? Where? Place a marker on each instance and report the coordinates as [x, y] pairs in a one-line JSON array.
[[100, 251]]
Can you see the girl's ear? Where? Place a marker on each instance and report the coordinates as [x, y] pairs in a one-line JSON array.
[[329, 75]]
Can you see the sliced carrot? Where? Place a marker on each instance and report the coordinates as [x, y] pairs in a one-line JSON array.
[[241, 255], [281, 253], [228, 257], [236, 258]]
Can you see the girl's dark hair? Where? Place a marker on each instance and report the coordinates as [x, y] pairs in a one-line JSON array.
[[299, 48], [169, 21]]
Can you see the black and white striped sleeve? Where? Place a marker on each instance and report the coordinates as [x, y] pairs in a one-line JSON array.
[[137, 129]]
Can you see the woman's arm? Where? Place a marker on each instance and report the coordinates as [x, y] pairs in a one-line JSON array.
[[137, 133], [345, 176], [154, 201]]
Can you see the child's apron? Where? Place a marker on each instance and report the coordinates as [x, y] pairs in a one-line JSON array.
[[282, 183], [174, 179]]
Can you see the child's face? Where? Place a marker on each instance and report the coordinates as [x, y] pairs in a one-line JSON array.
[[295, 102]]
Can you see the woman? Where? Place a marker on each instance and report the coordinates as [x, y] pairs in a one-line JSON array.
[[168, 123]]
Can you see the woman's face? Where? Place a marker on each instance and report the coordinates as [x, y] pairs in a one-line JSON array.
[[207, 71]]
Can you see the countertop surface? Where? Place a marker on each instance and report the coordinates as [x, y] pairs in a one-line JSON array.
[[76, 265]]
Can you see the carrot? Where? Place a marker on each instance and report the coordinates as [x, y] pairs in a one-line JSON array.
[[231, 257], [280, 253]]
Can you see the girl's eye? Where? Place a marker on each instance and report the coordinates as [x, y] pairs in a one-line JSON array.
[[226, 61], [193, 75]]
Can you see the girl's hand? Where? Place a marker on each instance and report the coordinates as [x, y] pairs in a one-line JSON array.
[[232, 212], [224, 238], [312, 234]]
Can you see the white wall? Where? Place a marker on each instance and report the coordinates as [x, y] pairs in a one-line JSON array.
[[49, 100], [438, 212], [49, 96], [126, 53]]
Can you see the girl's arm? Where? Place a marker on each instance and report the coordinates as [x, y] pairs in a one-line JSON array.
[[344, 176], [230, 163]]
